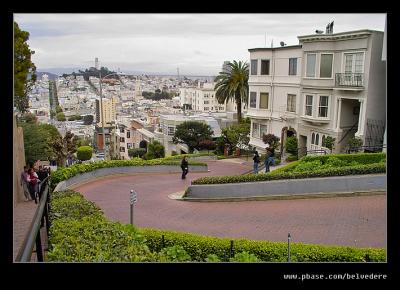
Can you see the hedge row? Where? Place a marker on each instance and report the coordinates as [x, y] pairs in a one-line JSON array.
[[84, 235], [362, 158], [200, 247], [180, 156], [68, 172], [340, 171]]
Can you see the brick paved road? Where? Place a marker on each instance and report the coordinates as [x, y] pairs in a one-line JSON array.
[[359, 221]]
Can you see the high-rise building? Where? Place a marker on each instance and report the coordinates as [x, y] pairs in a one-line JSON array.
[[109, 110], [96, 63]]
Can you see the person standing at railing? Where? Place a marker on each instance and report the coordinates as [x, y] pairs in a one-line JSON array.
[[185, 167], [33, 183], [25, 184]]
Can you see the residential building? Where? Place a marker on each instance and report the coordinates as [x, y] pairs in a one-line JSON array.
[[328, 85], [109, 110]]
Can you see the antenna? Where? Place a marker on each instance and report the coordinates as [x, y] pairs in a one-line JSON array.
[[282, 43]]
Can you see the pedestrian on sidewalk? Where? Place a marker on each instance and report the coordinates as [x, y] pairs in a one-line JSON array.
[[256, 160], [25, 184], [185, 167], [269, 159], [33, 181]]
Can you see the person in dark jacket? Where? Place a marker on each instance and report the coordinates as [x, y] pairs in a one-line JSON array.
[[185, 167], [256, 160], [269, 160]]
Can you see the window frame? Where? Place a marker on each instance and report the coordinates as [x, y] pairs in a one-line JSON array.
[[255, 98], [269, 67], [295, 66], [320, 62], [319, 106], [259, 103], [251, 67], [315, 65], [292, 103], [305, 105], [257, 135]]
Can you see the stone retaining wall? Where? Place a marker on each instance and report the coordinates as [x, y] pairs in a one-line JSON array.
[[336, 184]]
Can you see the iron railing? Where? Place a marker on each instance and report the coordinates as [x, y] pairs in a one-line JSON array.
[[349, 80], [40, 218]]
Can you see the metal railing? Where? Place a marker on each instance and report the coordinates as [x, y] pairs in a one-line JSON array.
[[349, 80], [40, 218], [370, 148]]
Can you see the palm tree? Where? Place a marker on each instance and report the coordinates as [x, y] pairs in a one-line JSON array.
[[233, 85]]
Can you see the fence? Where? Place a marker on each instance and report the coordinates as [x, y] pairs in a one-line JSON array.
[[41, 218]]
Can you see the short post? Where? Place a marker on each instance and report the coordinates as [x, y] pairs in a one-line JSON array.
[[163, 241], [231, 249], [133, 200], [289, 238]]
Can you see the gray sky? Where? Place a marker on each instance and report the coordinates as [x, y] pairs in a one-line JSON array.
[[196, 43]]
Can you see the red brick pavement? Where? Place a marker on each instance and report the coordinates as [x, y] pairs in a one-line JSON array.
[[353, 221]]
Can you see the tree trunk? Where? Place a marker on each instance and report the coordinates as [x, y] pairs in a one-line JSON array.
[[239, 108]]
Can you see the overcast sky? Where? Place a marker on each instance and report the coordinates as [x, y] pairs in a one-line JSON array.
[[159, 43]]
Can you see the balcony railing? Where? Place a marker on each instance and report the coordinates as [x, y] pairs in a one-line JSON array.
[[349, 80]]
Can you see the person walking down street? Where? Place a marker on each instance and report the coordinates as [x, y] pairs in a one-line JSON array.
[[256, 160], [25, 184], [33, 181], [185, 167], [269, 160]]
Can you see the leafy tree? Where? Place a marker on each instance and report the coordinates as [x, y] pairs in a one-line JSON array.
[[88, 119], [271, 140], [63, 146], [233, 85], [24, 69], [61, 117], [329, 141], [155, 150], [238, 135], [136, 152], [207, 145], [29, 118], [291, 145], [192, 133], [37, 141], [84, 153]]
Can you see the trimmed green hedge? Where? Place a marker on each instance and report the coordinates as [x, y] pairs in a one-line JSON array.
[[68, 172], [79, 232], [200, 247], [311, 166], [180, 156]]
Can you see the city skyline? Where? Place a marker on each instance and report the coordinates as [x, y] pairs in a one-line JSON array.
[[160, 43]]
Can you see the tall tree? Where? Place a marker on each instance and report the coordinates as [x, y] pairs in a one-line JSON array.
[[237, 135], [155, 150], [63, 146], [192, 133], [233, 85], [24, 69]]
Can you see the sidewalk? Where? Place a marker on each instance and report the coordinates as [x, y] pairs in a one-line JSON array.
[[24, 212]]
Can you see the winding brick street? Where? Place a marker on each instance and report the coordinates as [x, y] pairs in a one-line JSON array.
[[353, 221]]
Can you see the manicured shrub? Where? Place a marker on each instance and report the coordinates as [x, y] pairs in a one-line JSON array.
[[84, 153], [136, 152], [202, 248], [291, 158], [291, 145], [155, 150], [174, 254]]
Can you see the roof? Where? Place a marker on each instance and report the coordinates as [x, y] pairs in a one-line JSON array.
[[274, 48], [340, 35]]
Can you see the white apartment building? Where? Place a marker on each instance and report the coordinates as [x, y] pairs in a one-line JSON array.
[[339, 90], [202, 99], [274, 92]]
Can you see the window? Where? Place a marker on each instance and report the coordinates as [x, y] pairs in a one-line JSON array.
[[323, 140], [206, 102], [291, 103], [311, 60], [263, 130], [312, 138], [255, 132], [171, 131], [326, 66], [128, 134], [309, 101], [206, 108], [253, 99], [323, 106], [122, 130], [354, 62], [264, 100], [129, 145], [122, 139], [292, 66], [317, 139], [121, 149], [265, 66], [254, 63]]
